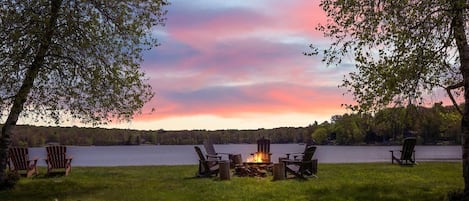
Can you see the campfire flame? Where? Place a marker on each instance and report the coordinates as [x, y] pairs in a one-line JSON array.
[[256, 158]]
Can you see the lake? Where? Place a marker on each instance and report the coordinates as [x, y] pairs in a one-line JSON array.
[[185, 154]]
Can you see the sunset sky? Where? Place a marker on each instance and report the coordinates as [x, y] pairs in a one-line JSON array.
[[240, 65]]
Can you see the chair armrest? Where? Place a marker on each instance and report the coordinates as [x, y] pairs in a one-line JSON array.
[[211, 156], [289, 161], [392, 151], [294, 154], [212, 160], [33, 161], [296, 162]]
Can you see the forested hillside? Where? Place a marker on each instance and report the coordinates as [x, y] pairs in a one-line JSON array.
[[436, 125]]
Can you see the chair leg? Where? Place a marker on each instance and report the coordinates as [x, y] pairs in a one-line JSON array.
[[392, 157], [30, 173], [49, 170], [68, 169]]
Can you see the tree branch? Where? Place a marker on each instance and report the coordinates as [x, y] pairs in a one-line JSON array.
[[448, 90]]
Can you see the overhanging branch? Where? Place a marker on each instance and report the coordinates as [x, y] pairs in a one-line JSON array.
[[448, 90]]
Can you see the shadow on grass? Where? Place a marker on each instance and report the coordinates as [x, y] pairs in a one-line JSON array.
[[50, 190]]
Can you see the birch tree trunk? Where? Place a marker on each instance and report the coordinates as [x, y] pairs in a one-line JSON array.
[[459, 31], [27, 85]]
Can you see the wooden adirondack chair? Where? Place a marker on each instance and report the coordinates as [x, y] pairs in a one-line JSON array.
[[210, 150], [407, 156], [301, 168], [263, 150], [207, 165], [18, 160], [57, 159], [234, 158], [298, 155]]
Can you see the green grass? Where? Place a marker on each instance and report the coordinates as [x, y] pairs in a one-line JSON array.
[[369, 181]]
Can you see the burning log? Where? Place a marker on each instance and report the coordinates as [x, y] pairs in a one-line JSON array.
[[250, 171]]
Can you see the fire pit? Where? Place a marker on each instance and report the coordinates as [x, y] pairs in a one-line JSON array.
[[254, 166]]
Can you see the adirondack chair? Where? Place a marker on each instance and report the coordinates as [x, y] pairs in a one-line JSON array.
[[210, 150], [301, 168], [263, 150], [207, 165], [234, 158], [407, 156], [57, 159], [18, 160], [298, 155]]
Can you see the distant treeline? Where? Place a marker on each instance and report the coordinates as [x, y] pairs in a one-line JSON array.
[[39, 136], [436, 125]]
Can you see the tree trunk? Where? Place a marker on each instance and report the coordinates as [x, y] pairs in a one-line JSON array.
[[459, 31], [28, 82], [465, 120], [465, 134]]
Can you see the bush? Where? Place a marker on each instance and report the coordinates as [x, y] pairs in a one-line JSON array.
[[10, 181]]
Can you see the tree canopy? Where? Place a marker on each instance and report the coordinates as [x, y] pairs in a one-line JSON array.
[[90, 67], [402, 50], [73, 58]]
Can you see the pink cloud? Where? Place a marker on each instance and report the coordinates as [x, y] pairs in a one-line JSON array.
[[239, 61], [238, 101], [302, 16]]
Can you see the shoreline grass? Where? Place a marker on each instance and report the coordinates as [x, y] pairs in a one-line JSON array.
[[364, 181]]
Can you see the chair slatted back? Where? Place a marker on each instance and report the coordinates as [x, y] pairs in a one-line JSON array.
[[203, 164], [209, 148], [263, 149], [263, 145], [199, 153], [309, 152], [307, 158], [408, 148], [19, 158], [57, 156]]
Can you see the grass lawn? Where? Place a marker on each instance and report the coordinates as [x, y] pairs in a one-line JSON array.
[[361, 182]]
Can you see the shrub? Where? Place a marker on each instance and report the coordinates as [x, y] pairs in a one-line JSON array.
[[9, 182]]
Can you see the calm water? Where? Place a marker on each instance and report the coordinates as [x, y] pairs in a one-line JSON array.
[[185, 154]]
